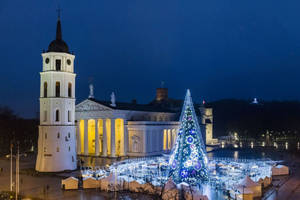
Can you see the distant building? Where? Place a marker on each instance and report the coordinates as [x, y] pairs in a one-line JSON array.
[[207, 124]]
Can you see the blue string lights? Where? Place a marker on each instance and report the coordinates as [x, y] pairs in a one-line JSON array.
[[188, 161]]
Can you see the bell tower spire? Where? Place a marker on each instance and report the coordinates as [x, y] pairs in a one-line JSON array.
[[58, 25], [58, 45], [57, 129]]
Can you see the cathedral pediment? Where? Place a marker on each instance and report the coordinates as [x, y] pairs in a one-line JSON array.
[[88, 105]]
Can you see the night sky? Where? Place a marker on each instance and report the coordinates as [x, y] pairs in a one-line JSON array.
[[218, 48]]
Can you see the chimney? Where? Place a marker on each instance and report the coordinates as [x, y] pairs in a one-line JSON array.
[[134, 101], [161, 94]]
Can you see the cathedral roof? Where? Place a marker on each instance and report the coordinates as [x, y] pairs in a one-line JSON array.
[[134, 106], [58, 45]]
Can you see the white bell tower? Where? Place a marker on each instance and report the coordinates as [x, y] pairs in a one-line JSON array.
[[57, 139]]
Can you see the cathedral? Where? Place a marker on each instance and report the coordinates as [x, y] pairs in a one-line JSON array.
[[100, 128]]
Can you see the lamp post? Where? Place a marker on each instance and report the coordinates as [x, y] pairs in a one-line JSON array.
[[17, 172], [11, 147], [243, 191]]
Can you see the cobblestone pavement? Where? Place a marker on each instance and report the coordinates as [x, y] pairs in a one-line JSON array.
[[35, 186], [289, 189]]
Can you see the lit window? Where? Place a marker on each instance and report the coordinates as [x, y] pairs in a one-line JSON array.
[[165, 139]]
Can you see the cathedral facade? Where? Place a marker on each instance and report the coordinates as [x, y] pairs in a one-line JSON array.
[[99, 128], [123, 129]]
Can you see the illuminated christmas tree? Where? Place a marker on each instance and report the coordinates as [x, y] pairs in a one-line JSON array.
[[188, 162]]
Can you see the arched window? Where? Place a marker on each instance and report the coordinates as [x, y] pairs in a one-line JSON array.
[[57, 89], [57, 115], [70, 90], [45, 89]]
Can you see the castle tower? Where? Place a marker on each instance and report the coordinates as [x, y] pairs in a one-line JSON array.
[[207, 121], [57, 139]]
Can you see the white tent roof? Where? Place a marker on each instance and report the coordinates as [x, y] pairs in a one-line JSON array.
[[170, 184], [70, 178], [247, 182], [87, 178], [281, 166], [111, 177]]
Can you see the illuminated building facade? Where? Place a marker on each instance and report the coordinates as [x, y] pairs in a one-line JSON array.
[[126, 129]]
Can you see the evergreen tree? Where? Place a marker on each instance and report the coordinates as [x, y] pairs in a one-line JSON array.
[[188, 161]]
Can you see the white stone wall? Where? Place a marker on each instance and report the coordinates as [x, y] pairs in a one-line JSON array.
[[57, 153], [149, 137]]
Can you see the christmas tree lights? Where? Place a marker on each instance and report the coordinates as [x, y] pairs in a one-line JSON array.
[[188, 161]]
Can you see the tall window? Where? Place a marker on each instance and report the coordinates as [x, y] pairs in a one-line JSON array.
[[58, 65], [70, 90], [45, 115], [57, 115], [69, 116], [45, 89], [57, 89], [58, 135]]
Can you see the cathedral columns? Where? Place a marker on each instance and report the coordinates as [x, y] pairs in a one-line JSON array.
[[112, 137], [96, 138], [104, 139], [86, 137]]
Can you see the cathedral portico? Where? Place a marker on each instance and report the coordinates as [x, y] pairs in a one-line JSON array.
[[101, 137]]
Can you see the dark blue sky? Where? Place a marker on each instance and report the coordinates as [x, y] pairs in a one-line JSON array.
[[217, 48]]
